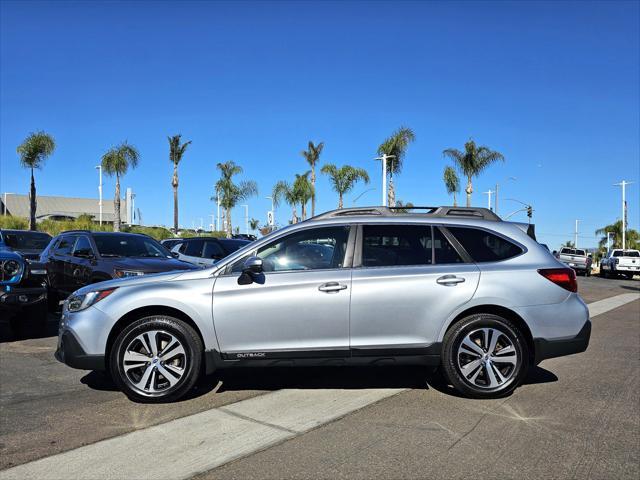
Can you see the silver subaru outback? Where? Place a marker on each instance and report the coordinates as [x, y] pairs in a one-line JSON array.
[[451, 287]]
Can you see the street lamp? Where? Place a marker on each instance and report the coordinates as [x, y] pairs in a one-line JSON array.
[[623, 184], [99, 168], [384, 158], [366, 191], [496, 192], [489, 193], [273, 213], [246, 218]]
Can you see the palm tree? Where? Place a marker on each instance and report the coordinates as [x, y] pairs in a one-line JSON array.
[[176, 151], [253, 223], [116, 162], [452, 182], [283, 190], [402, 207], [304, 191], [344, 178], [230, 193], [312, 155], [632, 237], [568, 244], [472, 162], [33, 152], [396, 145]]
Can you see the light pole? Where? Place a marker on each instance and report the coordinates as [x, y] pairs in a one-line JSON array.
[[623, 184], [384, 158], [99, 168], [273, 213], [246, 218], [496, 192], [489, 193], [575, 243]]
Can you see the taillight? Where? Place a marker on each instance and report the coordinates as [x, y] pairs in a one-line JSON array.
[[563, 277]]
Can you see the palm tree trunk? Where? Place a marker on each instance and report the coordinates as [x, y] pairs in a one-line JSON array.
[[469, 191], [391, 193], [174, 183], [116, 206], [33, 203], [228, 222], [455, 202], [304, 211], [313, 187], [340, 204], [294, 218]]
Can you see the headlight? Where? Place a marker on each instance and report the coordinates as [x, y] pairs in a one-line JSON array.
[[75, 303], [11, 267], [128, 273]]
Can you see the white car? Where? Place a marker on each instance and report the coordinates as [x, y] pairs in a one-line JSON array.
[[205, 251], [621, 262]]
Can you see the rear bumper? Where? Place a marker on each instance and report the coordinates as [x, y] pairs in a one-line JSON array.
[[17, 298], [560, 347], [71, 353]]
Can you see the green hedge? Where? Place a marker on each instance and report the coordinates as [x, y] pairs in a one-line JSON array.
[[85, 222]]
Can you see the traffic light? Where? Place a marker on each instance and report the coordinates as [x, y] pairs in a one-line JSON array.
[[529, 211]]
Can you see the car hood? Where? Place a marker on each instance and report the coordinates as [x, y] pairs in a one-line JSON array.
[[151, 265], [29, 253], [6, 254], [148, 279]]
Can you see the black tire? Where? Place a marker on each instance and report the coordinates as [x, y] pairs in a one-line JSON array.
[[453, 356], [603, 273], [629, 276], [190, 362], [588, 273]]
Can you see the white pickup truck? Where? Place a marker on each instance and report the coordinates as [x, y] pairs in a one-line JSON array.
[[620, 262], [576, 258]]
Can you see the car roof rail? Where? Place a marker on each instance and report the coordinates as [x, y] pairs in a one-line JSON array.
[[436, 212], [75, 231]]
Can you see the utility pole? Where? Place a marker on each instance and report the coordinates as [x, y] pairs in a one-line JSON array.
[[384, 158], [623, 184], [575, 243], [99, 168], [495, 202], [489, 193], [246, 218]]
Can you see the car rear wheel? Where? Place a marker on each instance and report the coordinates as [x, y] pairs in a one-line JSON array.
[[156, 359], [485, 356]]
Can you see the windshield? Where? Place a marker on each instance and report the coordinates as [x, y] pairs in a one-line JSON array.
[[232, 245], [26, 240], [123, 245]]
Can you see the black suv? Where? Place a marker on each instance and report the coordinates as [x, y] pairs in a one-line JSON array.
[[80, 257]]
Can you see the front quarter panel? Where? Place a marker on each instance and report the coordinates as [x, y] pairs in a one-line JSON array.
[[190, 296]]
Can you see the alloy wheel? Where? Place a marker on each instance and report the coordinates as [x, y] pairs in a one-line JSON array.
[[154, 362], [487, 358]]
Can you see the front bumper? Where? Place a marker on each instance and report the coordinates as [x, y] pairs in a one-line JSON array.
[[15, 298], [71, 353], [560, 347]]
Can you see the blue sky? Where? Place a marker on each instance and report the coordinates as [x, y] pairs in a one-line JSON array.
[[551, 85]]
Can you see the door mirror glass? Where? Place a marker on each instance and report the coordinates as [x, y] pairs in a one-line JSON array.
[[175, 254], [83, 253]]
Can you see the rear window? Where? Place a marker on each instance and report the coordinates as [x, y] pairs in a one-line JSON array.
[[393, 245], [123, 245], [627, 253], [232, 245], [26, 240], [484, 246]]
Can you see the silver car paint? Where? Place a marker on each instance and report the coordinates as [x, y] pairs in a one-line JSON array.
[[383, 307]]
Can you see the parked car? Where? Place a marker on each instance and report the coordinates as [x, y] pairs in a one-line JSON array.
[[453, 287], [169, 243], [23, 289], [27, 243], [245, 236], [620, 262], [576, 258], [80, 257], [205, 251]]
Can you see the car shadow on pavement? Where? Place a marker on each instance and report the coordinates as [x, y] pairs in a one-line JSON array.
[[536, 375], [317, 378], [629, 287]]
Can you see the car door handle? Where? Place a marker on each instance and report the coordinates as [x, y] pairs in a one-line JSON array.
[[331, 287], [449, 280]]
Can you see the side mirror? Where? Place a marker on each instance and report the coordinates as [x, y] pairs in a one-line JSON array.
[[175, 254], [252, 266]]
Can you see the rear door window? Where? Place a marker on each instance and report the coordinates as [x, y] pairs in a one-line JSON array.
[[212, 250], [484, 246], [444, 252], [396, 245]]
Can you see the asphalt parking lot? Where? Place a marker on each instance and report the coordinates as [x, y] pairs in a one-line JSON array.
[[575, 417]]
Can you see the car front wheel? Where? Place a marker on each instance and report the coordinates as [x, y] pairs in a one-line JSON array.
[[156, 359], [485, 356]]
